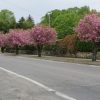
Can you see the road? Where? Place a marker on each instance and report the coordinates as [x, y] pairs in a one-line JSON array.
[[81, 82]]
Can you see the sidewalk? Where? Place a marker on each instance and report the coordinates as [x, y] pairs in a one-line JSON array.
[[61, 59], [15, 88], [65, 59]]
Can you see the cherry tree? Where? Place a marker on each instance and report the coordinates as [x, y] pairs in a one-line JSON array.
[[3, 41], [19, 37], [43, 35], [89, 30]]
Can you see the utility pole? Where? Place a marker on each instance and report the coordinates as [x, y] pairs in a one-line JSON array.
[[49, 15]]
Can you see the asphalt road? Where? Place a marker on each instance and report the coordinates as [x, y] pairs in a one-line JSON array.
[[81, 82], [13, 87]]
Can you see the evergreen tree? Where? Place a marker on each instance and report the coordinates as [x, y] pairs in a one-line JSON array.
[[25, 23], [21, 22]]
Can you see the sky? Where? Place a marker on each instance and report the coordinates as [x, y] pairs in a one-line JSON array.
[[38, 8]]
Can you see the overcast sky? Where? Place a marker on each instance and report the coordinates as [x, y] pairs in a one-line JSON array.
[[38, 8]]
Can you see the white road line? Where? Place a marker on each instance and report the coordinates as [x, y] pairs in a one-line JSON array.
[[64, 96]]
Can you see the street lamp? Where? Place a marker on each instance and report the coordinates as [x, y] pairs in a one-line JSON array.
[[49, 15]]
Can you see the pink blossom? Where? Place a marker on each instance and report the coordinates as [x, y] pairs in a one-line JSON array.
[[19, 37], [89, 28], [3, 40], [43, 35]]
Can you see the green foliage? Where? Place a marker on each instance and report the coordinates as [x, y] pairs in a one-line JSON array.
[[28, 49], [25, 23], [20, 24], [50, 47], [64, 21], [7, 20], [84, 46], [65, 24], [53, 14], [29, 22]]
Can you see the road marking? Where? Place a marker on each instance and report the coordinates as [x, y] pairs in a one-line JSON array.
[[64, 96]]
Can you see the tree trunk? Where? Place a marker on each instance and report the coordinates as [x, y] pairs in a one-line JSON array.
[[17, 50], [94, 53], [2, 49], [39, 47]]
